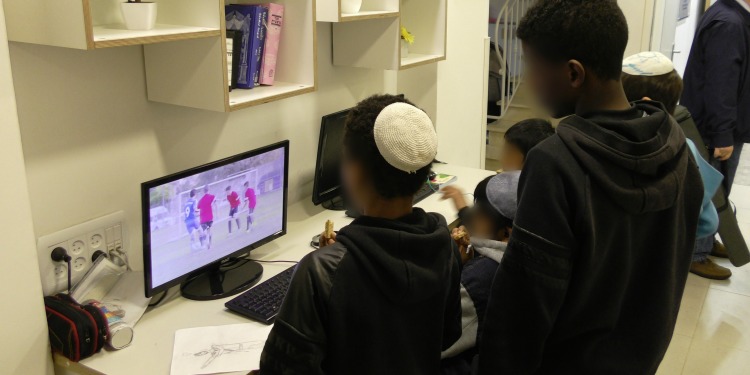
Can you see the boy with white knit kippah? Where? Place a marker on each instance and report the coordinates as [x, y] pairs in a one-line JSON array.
[[652, 76], [383, 296]]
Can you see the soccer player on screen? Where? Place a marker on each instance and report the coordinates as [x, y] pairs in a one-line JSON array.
[[250, 200], [234, 205], [190, 220], [205, 205]]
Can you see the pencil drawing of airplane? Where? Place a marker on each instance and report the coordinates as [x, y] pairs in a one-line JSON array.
[[218, 350]]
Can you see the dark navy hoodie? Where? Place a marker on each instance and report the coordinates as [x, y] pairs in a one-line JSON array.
[[593, 276], [383, 300]]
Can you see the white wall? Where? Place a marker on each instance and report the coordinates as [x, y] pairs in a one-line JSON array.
[[462, 85], [90, 136], [684, 36], [23, 333]]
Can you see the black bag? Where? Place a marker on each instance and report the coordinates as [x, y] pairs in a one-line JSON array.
[[76, 331], [729, 229]]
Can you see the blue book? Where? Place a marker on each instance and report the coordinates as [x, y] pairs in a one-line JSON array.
[[240, 18], [258, 41]]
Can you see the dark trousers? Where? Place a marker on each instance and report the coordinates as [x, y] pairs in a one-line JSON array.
[[729, 167]]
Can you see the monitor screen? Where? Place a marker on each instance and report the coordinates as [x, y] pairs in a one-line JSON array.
[[327, 185], [201, 216]]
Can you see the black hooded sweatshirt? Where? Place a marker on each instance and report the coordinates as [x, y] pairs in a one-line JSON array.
[[383, 300], [594, 272]]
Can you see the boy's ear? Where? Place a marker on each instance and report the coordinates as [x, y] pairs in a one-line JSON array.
[[576, 74]]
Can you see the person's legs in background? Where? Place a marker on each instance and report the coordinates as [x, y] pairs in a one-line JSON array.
[[729, 170]]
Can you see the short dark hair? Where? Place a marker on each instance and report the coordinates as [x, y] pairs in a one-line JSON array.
[[526, 134], [666, 88], [483, 205], [192, 193], [228, 188], [594, 32], [359, 142]]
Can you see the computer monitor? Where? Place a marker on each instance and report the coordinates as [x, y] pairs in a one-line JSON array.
[[199, 222], [327, 185]]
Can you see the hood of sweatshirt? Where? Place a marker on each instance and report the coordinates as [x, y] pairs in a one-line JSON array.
[[489, 248], [638, 157], [408, 259]]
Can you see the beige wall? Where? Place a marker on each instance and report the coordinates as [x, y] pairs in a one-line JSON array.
[[461, 87], [640, 14], [91, 137], [23, 332]]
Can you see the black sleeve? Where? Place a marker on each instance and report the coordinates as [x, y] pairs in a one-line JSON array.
[[297, 342], [723, 72], [452, 324], [464, 215], [532, 279]]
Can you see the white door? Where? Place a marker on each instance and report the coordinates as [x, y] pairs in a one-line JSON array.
[[640, 15], [677, 33]]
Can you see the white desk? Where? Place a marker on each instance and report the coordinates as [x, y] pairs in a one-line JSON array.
[[151, 351]]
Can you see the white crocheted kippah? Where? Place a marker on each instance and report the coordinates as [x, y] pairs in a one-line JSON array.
[[405, 137], [647, 64]]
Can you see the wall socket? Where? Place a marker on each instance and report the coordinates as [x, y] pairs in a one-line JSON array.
[[107, 233]]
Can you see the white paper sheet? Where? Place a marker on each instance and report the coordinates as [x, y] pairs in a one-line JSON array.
[[210, 350], [127, 295]]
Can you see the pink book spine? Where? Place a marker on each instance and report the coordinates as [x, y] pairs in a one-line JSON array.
[[273, 36]]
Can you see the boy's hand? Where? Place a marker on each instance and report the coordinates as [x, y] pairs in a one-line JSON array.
[[456, 195], [327, 241], [328, 237]]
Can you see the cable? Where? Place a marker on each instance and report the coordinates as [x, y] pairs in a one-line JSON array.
[[69, 277], [274, 261], [59, 254], [163, 295]]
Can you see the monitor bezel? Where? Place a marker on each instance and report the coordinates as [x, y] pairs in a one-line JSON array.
[[146, 219], [319, 198]]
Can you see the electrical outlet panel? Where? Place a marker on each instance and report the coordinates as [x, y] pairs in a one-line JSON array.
[[107, 233]]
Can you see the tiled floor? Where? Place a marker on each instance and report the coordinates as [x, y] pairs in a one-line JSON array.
[[713, 329]]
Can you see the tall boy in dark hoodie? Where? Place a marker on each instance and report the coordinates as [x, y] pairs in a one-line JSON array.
[[596, 265], [383, 297]]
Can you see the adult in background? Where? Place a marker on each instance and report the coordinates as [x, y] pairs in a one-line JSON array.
[[717, 86]]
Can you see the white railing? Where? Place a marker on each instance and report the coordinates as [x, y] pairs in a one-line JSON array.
[[509, 51]]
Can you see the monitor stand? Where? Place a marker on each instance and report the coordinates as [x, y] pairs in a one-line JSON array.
[[340, 204], [222, 279]]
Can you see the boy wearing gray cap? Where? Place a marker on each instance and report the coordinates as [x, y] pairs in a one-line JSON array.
[[489, 224], [383, 296]]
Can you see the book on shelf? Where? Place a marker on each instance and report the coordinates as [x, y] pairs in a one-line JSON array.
[[234, 47], [239, 18], [274, 24], [258, 40]]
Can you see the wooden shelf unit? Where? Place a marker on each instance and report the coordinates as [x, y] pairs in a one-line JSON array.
[[330, 10], [91, 24], [376, 42], [193, 73]]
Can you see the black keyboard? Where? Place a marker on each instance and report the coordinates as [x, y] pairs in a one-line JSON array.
[[425, 191], [263, 301]]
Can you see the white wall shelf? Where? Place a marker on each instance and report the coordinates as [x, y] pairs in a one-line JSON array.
[[117, 36], [376, 42], [185, 54], [193, 73], [330, 10], [91, 24]]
